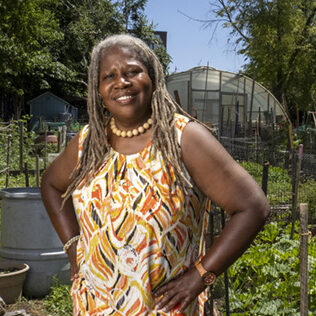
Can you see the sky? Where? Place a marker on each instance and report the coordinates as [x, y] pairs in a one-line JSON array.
[[189, 43]]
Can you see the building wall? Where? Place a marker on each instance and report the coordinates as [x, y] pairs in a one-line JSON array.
[[48, 107]]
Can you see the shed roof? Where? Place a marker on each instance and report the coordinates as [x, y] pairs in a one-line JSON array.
[[47, 93]]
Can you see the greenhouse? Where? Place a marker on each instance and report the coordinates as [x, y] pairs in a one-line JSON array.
[[232, 104]]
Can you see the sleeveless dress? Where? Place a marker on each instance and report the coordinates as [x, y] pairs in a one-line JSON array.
[[133, 239]]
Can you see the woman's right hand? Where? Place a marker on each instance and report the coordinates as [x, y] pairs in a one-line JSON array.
[[72, 256]]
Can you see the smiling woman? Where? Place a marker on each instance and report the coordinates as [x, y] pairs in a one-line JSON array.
[[125, 87], [129, 196]]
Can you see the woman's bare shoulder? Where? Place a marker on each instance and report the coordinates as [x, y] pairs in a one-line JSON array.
[[215, 172]]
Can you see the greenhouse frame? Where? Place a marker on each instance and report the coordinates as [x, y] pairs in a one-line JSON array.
[[232, 104]]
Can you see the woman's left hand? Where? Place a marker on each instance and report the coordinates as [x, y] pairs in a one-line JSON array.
[[180, 292]]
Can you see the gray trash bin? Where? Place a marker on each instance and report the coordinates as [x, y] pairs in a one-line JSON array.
[[28, 236]]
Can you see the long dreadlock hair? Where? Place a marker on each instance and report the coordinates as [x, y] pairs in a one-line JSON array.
[[164, 135]]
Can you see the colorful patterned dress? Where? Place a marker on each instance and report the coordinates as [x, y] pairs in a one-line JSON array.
[[133, 239]]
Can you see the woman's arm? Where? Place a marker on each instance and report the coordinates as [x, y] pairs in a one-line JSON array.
[[222, 180], [54, 183]]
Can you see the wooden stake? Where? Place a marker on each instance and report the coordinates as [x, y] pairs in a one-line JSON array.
[[304, 258], [265, 174], [291, 135], [58, 140], [27, 182], [37, 171], [8, 161], [21, 144], [296, 168], [45, 148]]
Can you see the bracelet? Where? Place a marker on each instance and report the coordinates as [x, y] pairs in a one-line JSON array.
[[70, 242]]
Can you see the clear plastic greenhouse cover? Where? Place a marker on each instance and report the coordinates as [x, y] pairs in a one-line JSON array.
[[218, 97]]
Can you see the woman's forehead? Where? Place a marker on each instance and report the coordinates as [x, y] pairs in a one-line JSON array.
[[127, 51]]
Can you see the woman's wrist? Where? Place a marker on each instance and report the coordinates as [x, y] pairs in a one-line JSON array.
[[70, 242], [72, 252]]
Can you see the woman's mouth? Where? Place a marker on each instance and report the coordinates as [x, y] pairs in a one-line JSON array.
[[124, 98]]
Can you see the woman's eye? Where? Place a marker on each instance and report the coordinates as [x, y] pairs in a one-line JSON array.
[[132, 72], [108, 76]]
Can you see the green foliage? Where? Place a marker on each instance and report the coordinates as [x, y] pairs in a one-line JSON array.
[[46, 44], [28, 148], [265, 280], [278, 41], [279, 182], [307, 194], [75, 127], [28, 31], [58, 301]]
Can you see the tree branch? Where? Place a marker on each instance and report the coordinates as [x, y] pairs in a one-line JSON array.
[[300, 40], [232, 23]]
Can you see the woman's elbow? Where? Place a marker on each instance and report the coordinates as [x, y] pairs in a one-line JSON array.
[[261, 207]]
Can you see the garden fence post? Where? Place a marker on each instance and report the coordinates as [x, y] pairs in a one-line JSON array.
[[304, 258], [265, 174], [37, 170], [296, 165], [58, 139], [8, 160], [21, 144], [26, 172], [45, 147]]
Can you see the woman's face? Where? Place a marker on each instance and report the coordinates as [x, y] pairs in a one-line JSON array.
[[125, 85]]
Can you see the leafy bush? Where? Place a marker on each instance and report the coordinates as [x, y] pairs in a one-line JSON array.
[[253, 168], [58, 301], [307, 194], [265, 280]]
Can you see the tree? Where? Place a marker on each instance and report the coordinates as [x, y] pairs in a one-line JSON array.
[[83, 23], [46, 44], [27, 30], [278, 40]]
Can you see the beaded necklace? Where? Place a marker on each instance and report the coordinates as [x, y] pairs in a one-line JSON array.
[[130, 133]]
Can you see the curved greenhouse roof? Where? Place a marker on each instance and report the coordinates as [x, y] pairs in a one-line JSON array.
[[220, 98]]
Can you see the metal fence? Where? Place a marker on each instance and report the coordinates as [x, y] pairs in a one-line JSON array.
[[277, 274]]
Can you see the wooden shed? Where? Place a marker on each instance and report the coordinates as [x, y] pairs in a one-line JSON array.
[[50, 107]]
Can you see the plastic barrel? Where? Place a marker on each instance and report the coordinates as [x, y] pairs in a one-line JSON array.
[[27, 236]]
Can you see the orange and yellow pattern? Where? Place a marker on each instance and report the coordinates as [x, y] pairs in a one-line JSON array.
[[133, 238]]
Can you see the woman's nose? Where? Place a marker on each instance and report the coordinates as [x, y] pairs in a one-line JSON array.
[[122, 82]]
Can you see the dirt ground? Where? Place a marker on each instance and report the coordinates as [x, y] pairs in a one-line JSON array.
[[32, 307]]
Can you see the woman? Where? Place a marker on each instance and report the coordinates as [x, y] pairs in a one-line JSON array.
[[135, 188]]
